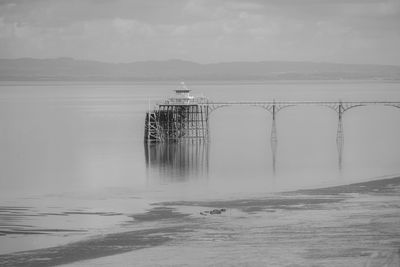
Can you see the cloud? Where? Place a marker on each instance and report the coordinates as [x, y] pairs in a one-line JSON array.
[[202, 30]]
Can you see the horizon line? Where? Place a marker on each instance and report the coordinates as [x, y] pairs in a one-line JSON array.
[[194, 62]]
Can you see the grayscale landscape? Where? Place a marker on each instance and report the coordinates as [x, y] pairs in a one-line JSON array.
[[199, 133]]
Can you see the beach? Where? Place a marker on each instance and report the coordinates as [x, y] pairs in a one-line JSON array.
[[349, 225]]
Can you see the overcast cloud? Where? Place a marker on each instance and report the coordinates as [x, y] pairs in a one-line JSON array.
[[349, 31]]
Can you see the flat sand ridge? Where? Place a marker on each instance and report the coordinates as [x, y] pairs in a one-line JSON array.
[[117, 243]]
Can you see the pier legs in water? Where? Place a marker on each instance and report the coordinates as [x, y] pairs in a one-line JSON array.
[[274, 140], [340, 136], [274, 145]]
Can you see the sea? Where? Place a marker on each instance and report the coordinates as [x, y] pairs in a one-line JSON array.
[[73, 162]]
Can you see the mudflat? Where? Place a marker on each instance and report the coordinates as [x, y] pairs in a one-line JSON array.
[[342, 225]]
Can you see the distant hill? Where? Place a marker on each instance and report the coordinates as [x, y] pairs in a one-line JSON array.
[[67, 69]]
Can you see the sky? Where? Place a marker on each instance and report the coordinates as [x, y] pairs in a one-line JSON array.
[[204, 31]]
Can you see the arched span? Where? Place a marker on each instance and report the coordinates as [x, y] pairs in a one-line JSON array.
[[187, 119], [275, 106]]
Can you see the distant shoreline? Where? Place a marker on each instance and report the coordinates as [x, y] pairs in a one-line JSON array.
[[177, 82], [192, 80], [68, 69]]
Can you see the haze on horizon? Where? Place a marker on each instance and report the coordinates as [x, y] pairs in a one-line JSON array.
[[204, 31]]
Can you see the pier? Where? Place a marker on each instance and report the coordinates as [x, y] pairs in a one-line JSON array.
[[179, 118], [184, 117]]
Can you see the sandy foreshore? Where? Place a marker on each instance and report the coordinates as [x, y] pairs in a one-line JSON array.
[[356, 224]]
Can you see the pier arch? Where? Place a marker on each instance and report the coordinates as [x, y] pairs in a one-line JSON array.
[[187, 118]]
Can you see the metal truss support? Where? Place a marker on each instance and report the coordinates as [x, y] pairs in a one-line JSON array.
[[206, 113], [153, 131], [177, 123]]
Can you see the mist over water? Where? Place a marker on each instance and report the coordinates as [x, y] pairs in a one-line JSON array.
[[69, 137], [77, 149]]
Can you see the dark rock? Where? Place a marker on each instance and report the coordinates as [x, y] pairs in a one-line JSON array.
[[215, 212]]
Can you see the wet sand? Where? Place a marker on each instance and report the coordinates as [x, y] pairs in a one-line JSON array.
[[92, 248], [357, 224]]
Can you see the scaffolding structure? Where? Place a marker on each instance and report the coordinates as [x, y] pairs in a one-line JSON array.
[[180, 118]]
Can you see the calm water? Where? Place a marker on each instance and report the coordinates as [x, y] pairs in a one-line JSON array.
[[77, 149]]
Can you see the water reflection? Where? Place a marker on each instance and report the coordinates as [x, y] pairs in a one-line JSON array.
[[177, 162]]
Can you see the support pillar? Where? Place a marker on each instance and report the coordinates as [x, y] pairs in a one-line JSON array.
[[207, 115], [340, 135], [274, 139]]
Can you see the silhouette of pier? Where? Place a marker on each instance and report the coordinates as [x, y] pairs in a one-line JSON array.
[[185, 118]]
